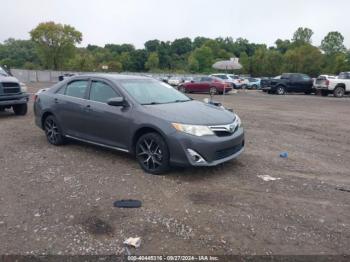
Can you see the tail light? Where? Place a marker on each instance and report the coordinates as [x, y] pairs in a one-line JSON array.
[[327, 82]]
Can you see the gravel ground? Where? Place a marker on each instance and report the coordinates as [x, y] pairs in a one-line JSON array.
[[59, 200]]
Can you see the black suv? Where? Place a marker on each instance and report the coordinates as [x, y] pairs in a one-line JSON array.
[[289, 82]]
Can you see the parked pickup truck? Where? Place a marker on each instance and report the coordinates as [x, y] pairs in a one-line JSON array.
[[339, 86], [289, 82], [12, 94]]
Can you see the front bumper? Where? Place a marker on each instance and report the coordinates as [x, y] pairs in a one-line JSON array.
[[214, 150], [9, 100]]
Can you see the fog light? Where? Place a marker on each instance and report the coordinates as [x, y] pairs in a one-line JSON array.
[[195, 156]]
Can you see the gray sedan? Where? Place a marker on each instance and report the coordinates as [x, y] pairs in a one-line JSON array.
[[142, 116]]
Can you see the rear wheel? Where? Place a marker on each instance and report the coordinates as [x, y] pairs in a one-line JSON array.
[[53, 131], [152, 153], [280, 90], [339, 91], [20, 110]]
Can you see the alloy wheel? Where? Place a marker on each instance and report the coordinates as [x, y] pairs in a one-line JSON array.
[[280, 91], [150, 154], [52, 131], [339, 92]]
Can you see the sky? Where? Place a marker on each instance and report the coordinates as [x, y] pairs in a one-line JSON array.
[[137, 21]]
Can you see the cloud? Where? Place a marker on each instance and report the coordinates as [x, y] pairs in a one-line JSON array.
[[136, 21]]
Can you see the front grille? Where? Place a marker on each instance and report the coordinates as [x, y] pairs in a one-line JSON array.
[[11, 88], [14, 90], [220, 154], [10, 84], [222, 133]]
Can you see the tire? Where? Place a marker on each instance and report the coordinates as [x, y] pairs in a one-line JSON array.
[[182, 89], [20, 110], [324, 93], [152, 153], [213, 90], [53, 131], [307, 92], [339, 92], [254, 87], [280, 90]]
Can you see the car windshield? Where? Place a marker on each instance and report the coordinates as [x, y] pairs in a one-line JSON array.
[[152, 92], [3, 72]]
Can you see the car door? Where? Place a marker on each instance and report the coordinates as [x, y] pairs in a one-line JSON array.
[[69, 105], [107, 125], [204, 85], [193, 86], [296, 83]]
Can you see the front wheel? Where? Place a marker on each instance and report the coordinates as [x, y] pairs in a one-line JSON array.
[[182, 89], [339, 92], [213, 91], [152, 153], [20, 110]]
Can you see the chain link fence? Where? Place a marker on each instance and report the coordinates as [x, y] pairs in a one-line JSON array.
[[27, 76]]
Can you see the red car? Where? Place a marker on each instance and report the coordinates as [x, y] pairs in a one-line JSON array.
[[206, 84]]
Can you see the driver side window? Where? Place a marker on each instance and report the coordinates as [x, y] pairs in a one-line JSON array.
[[101, 92]]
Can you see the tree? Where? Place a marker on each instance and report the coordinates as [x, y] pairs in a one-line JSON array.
[[152, 61], [16, 53], [303, 35], [245, 62], [115, 66], [55, 43], [193, 64], [181, 46], [333, 43], [204, 56], [282, 45], [303, 59], [152, 45]]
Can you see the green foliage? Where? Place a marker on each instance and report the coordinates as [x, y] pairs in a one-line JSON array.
[[55, 43], [306, 59], [333, 43], [204, 57], [53, 46], [15, 53], [303, 35], [152, 62]]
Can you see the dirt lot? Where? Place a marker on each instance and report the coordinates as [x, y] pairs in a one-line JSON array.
[[59, 200]]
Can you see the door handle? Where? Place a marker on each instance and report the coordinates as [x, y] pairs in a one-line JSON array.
[[56, 100], [87, 108]]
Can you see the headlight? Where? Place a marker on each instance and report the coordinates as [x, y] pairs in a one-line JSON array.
[[23, 87], [193, 129], [238, 121]]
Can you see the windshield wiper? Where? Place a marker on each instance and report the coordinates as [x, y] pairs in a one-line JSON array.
[[151, 103], [180, 100]]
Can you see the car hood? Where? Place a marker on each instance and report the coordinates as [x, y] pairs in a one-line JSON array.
[[191, 112], [8, 79]]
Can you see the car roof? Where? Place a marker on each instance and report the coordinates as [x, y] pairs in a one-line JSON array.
[[113, 76]]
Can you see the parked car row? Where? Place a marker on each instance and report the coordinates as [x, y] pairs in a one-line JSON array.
[[302, 83]]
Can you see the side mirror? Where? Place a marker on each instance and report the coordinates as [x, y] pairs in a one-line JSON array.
[[117, 101]]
